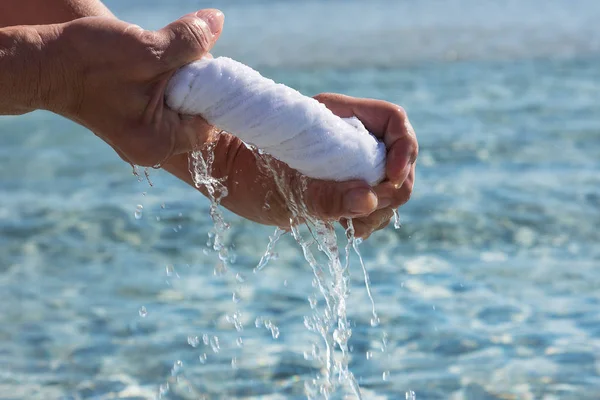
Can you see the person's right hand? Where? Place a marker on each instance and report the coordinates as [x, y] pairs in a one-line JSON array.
[[251, 186], [112, 78]]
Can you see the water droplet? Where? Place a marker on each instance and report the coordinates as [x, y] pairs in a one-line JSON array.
[[386, 375], [285, 283], [275, 332], [410, 395], [205, 339], [163, 205], [203, 358], [138, 211], [236, 297], [220, 269], [163, 390], [273, 328], [240, 278], [239, 342], [397, 224], [143, 312], [234, 363], [177, 366], [143, 193], [214, 344], [384, 342], [375, 321], [193, 341], [369, 355], [170, 270]]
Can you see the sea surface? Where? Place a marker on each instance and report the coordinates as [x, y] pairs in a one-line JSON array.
[[489, 290]]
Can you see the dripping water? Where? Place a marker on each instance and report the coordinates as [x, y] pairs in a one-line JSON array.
[[269, 254], [331, 323], [397, 224], [200, 166], [331, 277]]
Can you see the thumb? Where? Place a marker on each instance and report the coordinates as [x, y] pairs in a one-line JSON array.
[[334, 200], [190, 37]]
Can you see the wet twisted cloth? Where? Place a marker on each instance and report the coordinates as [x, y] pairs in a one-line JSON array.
[[277, 119]]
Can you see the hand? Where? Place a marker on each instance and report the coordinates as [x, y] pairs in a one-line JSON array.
[[250, 184], [118, 72], [388, 122]]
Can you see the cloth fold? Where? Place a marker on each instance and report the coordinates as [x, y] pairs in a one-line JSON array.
[[277, 119]]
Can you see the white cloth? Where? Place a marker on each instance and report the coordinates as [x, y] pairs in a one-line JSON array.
[[282, 122]]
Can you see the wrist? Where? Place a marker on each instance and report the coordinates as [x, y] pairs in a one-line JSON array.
[[59, 71], [33, 75]]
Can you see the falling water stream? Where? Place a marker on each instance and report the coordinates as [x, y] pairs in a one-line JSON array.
[[331, 277]]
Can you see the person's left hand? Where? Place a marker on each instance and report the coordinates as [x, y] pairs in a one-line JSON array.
[[250, 185], [390, 123]]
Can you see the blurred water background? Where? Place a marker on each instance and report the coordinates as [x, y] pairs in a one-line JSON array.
[[490, 290]]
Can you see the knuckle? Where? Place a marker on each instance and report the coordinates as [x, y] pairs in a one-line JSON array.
[[323, 200], [405, 193], [400, 112], [147, 42], [196, 34]]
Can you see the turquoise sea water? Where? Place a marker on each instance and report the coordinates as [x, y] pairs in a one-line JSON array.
[[490, 290]]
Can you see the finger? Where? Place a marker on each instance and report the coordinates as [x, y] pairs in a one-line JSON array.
[[385, 120], [400, 159], [364, 226], [334, 200], [190, 37], [390, 195]]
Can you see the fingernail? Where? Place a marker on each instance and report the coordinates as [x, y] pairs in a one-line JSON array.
[[360, 201], [214, 19]]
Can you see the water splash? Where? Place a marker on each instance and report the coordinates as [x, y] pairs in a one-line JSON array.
[[397, 224], [355, 243], [332, 281], [331, 276], [269, 254], [268, 324], [201, 170]]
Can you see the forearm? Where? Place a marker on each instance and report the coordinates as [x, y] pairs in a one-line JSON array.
[[32, 57], [42, 12], [31, 74]]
